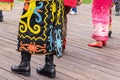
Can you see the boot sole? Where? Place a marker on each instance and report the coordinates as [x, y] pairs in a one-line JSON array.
[[23, 73], [48, 75]]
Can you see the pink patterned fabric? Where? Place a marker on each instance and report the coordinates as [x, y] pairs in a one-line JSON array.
[[101, 19], [71, 3]]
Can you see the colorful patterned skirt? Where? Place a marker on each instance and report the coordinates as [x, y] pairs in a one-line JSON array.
[[40, 27]]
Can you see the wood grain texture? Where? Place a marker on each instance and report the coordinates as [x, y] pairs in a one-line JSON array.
[[79, 62]]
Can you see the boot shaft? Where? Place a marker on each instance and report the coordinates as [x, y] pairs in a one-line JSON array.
[[49, 59], [24, 66], [49, 68], [25, 57]]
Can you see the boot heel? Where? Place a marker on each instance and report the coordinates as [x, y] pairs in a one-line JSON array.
[[52, 75], [26, 73]]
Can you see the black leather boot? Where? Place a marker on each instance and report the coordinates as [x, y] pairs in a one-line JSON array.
[[49, 68], [24, 67]]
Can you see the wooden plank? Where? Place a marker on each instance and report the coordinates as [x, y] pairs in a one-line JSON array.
[[2, 78], [14, 56], [94, 66], [6, 75], [11, 55], [79, 62], [92, 52], [72, 73]]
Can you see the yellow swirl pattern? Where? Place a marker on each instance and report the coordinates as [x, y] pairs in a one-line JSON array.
[[23, 26], [45, 26], [36, 28], [33, 35], [53, 9], [31, 38], [59, 12], [62, 12]]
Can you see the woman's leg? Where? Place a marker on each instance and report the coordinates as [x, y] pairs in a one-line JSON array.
[[110, 25], [67, 10]]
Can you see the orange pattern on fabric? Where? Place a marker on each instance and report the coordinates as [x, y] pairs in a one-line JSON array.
[[26, 5], [32, 47], [39, 10]]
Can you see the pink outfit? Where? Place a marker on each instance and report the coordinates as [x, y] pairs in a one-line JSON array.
[[71, 3], [100, 18]]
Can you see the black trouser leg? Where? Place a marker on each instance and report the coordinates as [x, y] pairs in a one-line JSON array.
[[1, 16], [117, 8], [49, 68], [66, 11], [25, 57], [24, 66], [49, 59]]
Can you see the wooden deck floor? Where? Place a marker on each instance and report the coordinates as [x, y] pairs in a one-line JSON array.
[[79, 62]]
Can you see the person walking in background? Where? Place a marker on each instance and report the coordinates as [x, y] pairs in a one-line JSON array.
[[74, 9], [101, 20], [68, 4], [40, 32], [66, 11], [110, 20], [1, 16], [110, 24], [117, 7]]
